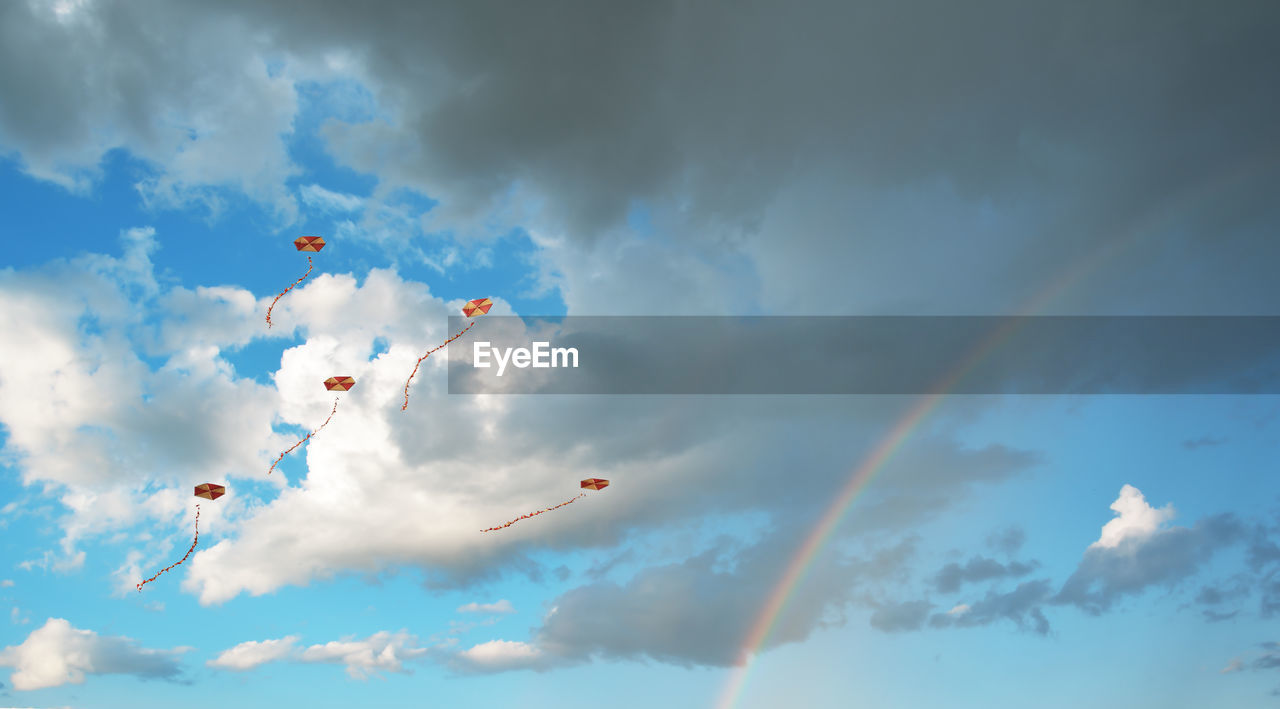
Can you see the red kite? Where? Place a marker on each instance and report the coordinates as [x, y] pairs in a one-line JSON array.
[[303, 243], [309, 243], [209, 491], [339, 383], [589, 484], [480, 306], [332, 384]]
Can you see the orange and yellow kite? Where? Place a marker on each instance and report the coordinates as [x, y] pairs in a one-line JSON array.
[[471, 309], [209, 491], [302, 243], [332, 384], [588, 484]]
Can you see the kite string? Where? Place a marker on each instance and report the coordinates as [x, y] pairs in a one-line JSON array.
[[532, 514], [184, 556], [286, 290], [415, 366], [304, 440]]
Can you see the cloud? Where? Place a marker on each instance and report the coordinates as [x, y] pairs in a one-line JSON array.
[[1216, 595], [1135, 519], [991, 139], [6, 583], [818, 161], [195, 419], [1137, 551], [808, 177], [500, 656], [503, 606], [1203, 442], [382, 651], [329, 201], [205, 113], [896, 617], [1235, 665], [1008, 540], [1022, 606], [1216, 617], [1268, 660], [1262, 551], [57, 653], [89, 420], [248, 655], [693, 612], [951, 577]]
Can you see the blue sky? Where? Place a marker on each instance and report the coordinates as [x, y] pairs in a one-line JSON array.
[[158, 162]]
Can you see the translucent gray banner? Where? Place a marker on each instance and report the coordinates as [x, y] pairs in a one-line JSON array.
[[866, 355]]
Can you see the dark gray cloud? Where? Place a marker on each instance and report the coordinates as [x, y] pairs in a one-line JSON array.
[[1269, 660], [1203, 442], [951, 577], [1008, 540], [1210, 596], [896, 617], [1218, 594], [1269, 600], [826, 145], [696, 612], [1164, 558], [1263, 552], [1023, 606], [1028, 149], [1216, 617]]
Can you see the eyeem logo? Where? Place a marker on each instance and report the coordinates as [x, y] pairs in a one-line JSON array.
[[542, 356]]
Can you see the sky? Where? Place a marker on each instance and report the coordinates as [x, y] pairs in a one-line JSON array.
[[158, 159]]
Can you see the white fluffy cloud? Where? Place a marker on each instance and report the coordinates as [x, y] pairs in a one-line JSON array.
[[88, 418], [382, 651], [248, 655], [329, 201], [1135, 519], [500, 655], [385, 487], [1137, 550], [57, 653], [503, 606]]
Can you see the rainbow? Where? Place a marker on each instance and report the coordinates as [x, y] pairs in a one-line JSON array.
[[862, 475], [1146, 225]]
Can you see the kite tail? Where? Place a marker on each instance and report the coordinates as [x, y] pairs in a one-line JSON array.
[[184, 556], [309, 435], [286, 290], [415, 366], [531, 514]]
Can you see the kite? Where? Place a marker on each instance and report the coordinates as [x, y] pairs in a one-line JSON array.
[[479, 305], [209, 491], [588, 484], [303, 243], [332, 384]]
